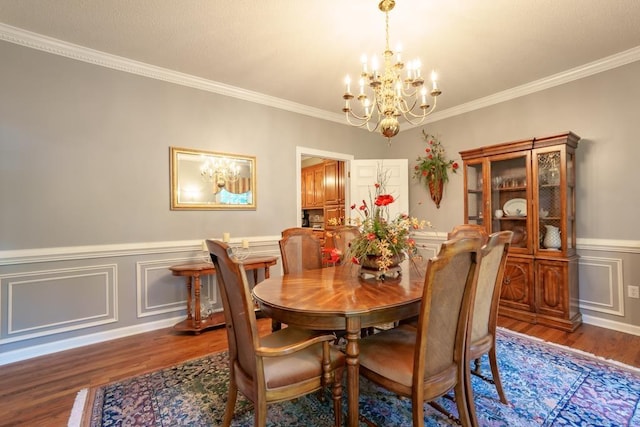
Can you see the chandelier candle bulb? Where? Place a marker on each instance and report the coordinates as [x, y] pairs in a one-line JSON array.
[[226, 237], [347, 82]]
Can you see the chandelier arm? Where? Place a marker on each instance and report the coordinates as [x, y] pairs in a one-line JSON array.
[[365, 123], [421, 116]]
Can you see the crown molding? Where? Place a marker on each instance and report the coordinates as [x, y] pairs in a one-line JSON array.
[[567, 76], [107, 60], [80, 53]]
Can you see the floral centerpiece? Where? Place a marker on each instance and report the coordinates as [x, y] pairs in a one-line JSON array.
[[384, 242], [434, 167]]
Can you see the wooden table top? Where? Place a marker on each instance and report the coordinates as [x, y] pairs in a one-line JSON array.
[[340, 291]]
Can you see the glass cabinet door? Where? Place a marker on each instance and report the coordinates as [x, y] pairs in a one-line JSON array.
[[510, 198], [555, 195], [474, 190]]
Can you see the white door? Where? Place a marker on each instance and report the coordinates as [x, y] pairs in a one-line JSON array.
[[364, 175]]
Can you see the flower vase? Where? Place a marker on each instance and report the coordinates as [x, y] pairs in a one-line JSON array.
[[435, 189], [371, 267]]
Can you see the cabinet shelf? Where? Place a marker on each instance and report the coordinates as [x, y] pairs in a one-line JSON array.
[[509, 189]]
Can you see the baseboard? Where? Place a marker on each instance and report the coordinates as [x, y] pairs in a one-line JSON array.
[[71, 343], [611, 324]]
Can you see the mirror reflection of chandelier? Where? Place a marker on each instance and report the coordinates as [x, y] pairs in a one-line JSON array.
[[390, 96], [219, 170]]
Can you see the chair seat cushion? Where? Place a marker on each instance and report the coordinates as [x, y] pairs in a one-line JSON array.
[[390, 354], [297, 367]]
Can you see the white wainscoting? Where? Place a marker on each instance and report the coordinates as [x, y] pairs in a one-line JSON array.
[[28, 276], [91, 290], [601, 285]]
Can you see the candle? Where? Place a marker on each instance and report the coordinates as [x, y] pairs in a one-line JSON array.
[[347, 82], [204, 246], [226, 237], [423, 91], [245, 243], [434, 79]]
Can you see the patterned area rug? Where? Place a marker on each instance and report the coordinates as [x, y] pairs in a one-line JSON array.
[[546, 385]]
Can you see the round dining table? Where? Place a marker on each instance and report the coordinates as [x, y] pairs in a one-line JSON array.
[[338, 298]]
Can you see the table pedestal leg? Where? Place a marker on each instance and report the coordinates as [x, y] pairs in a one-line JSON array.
[[353, 375]]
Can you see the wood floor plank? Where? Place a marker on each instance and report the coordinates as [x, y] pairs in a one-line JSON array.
[[41, 391]]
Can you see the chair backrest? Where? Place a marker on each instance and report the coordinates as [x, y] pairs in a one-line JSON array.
[[238, 307], [469, 230], [300, 249], [341, 238], [449, 288], [490, 275]]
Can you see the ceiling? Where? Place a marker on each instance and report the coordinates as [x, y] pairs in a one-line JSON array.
[[300, 51]]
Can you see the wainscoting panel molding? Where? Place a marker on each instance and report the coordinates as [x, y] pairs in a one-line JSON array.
[[47, 302], [159, 291], [601, 285]]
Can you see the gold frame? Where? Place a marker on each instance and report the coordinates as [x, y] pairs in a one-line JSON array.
[[199, 197]]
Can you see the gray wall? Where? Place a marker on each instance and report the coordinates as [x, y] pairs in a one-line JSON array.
[[86, 233]]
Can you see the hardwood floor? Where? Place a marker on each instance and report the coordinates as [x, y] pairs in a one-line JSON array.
[[41, 391]]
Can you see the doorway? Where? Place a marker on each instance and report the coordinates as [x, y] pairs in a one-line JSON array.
[[308, 156]]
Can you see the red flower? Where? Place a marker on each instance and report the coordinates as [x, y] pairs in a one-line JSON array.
[[428, 150], [355, 260], [424, 173], [455, 165], [353, 206], [430, 156], [371, 236], [377, 185], [384, 200]]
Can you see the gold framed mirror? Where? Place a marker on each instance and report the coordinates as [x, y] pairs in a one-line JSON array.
[[207, 180]]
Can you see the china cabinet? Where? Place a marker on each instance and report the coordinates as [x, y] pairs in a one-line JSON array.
[[528, 187]]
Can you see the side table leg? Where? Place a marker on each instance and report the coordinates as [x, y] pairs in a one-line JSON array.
[[196, 300], [189, 296]]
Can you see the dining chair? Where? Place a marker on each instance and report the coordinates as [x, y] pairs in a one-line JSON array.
[[283, 365], [485, 310], [469, 230], [300, 249], [340, 239], [429, 361]]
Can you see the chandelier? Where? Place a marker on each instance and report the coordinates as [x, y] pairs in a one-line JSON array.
[[219, 170], [390, 95]]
